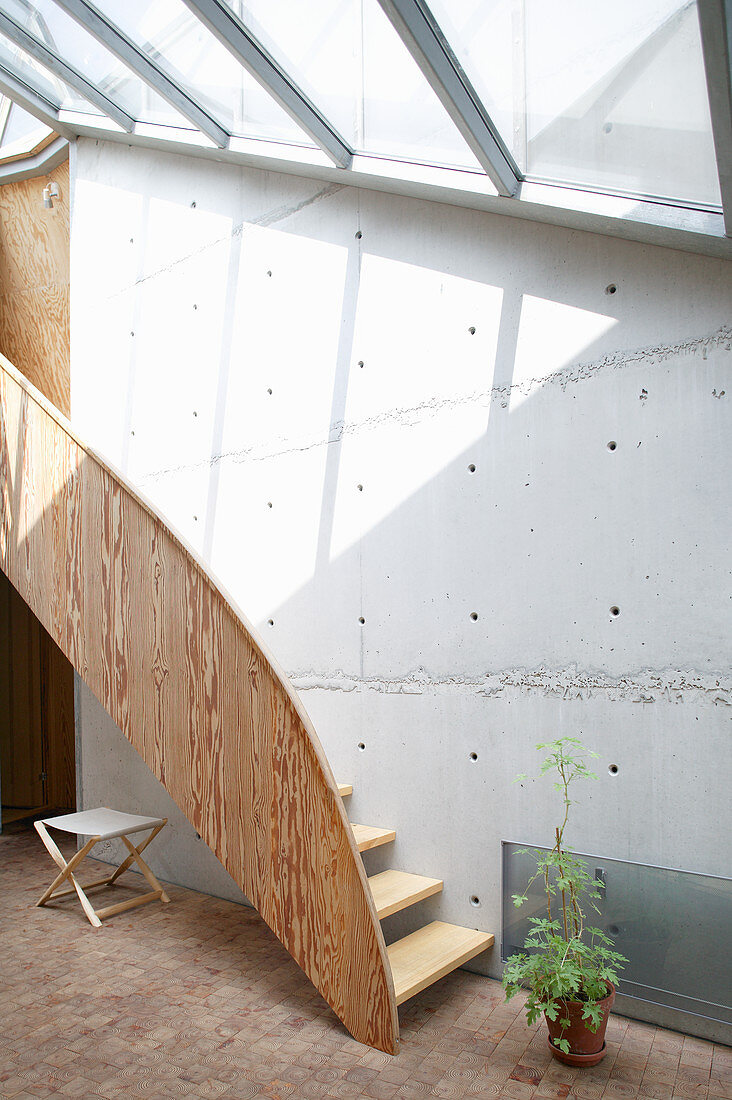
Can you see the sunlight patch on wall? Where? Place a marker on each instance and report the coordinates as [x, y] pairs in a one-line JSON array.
[[421, 334], [288, 316], [424, 348], [552, 335], [267, 528]]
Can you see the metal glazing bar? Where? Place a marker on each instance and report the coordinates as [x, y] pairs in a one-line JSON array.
[[28, 42], [5, 105], [422, 36], [715, 21], [120, 45], [31, 100], [249, 52]]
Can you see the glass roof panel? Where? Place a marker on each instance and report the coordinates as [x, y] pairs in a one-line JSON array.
[[487, 39], [38, 78], [69, 41], [316, 44], [402, 116], [634, 113], [20, 125], [611, 97], [190, 55], [348, 59]]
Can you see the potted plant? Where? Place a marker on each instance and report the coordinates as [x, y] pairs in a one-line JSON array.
[[568, 968]]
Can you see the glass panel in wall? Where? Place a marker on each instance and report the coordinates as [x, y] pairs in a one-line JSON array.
[[69, 41], [611, 97], [190, 55], [19, 125], [670, 925], [348, 59]]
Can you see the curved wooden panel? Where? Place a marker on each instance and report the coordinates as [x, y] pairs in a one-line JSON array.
[[195, 692]]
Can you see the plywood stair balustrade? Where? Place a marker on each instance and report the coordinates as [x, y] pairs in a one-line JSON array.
[[195, 691], [425, 956]]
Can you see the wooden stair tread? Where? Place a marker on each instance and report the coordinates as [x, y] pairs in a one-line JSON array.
[[369, 836], [428, 954], [395, 890], [345, 789]]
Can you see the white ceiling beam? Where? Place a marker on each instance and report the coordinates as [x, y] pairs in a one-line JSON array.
[[218, 17], [135, 59], [31, 100], [38, 50], [422, 36]]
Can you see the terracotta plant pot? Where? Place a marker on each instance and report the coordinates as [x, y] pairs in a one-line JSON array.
[[586, 1048]]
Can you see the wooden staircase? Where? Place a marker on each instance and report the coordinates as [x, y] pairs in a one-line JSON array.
[[425, 956], [196, 692]]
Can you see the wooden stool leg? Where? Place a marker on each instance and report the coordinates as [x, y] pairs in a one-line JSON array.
[[140, 848], [67, 872], [135, 855]]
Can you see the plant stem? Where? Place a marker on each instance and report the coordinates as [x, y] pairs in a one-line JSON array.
[[561, 875]]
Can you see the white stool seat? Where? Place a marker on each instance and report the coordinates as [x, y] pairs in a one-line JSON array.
[[102, 822]]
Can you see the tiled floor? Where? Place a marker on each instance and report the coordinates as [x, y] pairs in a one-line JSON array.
[[198, 998]]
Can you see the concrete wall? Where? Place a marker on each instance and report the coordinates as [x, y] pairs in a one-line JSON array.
[[361, 407]]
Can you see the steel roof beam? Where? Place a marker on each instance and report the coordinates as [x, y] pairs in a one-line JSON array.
[[31, 100], [5, 106], [28, 42], [135, 59], [422, 36], [715, 21], [252, 55]]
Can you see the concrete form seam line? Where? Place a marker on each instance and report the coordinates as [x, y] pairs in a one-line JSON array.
[[581, 372], [643, 686]]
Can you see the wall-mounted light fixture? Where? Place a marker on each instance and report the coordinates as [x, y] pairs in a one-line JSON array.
[[50, 192]]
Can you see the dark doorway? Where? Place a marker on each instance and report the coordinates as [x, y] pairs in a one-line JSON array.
[[37, 760]]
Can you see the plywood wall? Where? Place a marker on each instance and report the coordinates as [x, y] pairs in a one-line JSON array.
[[34, 283]]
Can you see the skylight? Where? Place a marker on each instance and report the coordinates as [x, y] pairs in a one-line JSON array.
[[621, 112]]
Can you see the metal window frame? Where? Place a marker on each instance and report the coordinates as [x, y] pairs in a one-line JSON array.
[[693, 228], [715, 23], [35, 162], [143, 66], [5, 107], [51, 61], [228, 28], [421, 34], [32, 100]]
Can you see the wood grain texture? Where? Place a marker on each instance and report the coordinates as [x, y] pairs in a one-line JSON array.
[[395, 890], [34, 283], [371, 836], [431, 952], [194, 690]]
